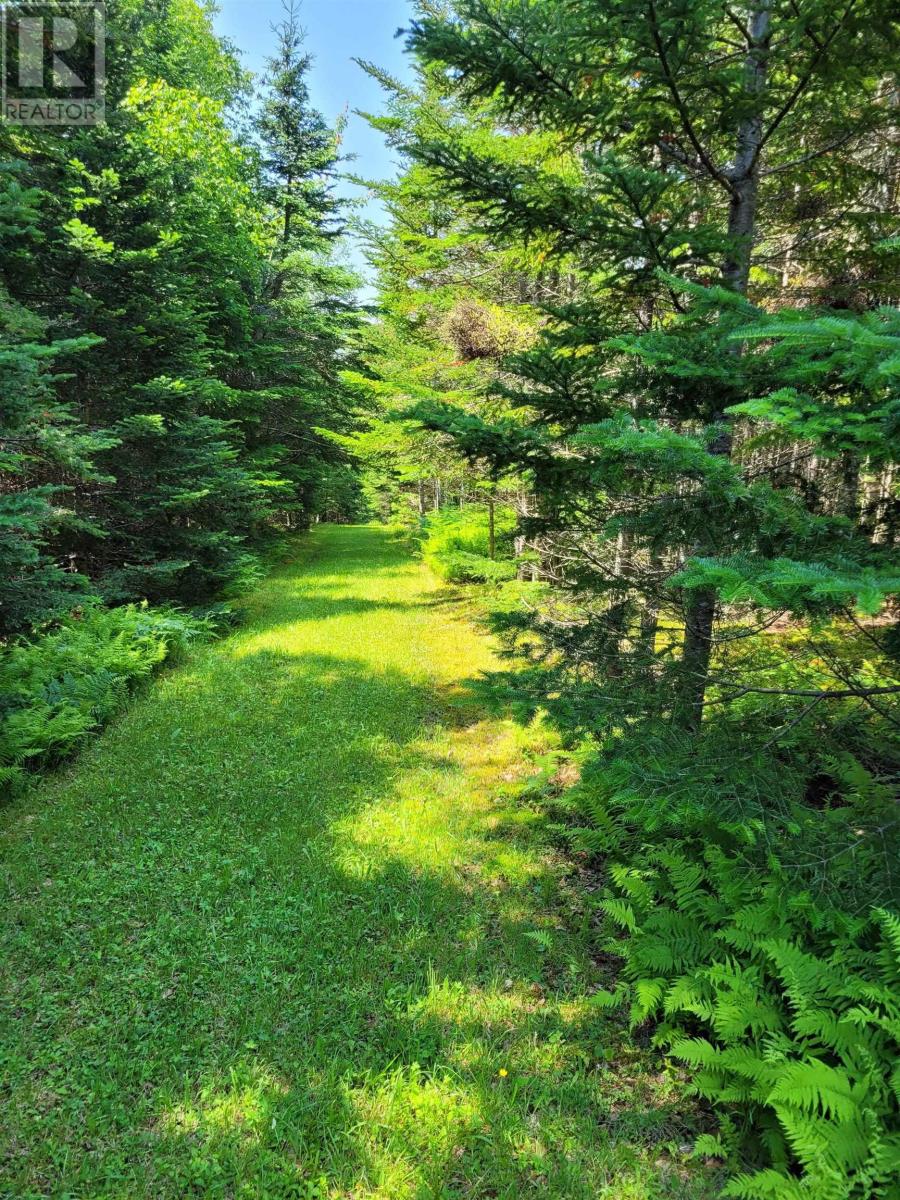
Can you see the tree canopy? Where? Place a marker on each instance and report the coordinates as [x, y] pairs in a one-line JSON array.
[[174, 323]]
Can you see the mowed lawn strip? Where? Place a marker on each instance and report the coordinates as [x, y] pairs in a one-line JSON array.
[[287, 930]]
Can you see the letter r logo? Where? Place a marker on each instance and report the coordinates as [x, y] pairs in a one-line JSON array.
[[53, 61]]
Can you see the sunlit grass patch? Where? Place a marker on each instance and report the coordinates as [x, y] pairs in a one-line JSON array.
[[289, 930], [244, 1106]]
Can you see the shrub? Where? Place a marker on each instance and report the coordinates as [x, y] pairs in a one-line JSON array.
[[457, 566], [59, 687], [456, 544]]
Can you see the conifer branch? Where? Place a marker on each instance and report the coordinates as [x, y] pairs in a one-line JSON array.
[[804, 80], [681, 107]]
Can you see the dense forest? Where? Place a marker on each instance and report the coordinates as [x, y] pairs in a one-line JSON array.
[[630, 384], [174, 323], [171, 323]]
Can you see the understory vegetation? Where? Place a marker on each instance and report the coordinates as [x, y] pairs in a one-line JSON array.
[[58, 689], [470, 545], [640, 288], [630, 386]]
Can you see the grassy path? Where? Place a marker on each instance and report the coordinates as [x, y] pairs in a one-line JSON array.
[[274, 934]]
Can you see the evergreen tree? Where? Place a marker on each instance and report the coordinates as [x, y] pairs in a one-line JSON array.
[[43, 454], [687, 127], [306, 312], [299, 150], [708, 426], [452, 304], [194, 317]]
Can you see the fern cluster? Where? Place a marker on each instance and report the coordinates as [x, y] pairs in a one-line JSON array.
[[787, 1008], [57, 689], [456, 544]]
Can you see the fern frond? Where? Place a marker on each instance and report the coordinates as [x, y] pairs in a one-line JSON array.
[[815, 1086]]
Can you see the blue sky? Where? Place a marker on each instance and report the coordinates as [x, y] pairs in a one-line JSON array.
[[337, 32]]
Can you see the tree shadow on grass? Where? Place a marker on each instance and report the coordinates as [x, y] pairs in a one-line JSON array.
[[239, 962], [322, 605]]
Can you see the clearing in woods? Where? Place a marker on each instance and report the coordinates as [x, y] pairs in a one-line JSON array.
[[288, 930]]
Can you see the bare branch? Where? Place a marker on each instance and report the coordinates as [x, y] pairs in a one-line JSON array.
[[855, 693], [737, 22], [806, 711]]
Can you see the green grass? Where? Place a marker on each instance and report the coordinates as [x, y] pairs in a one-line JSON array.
[[285, 930]]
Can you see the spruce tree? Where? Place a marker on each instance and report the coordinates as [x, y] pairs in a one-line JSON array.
[[299, 150], [196, 349], [452, 305], [306, 307], [44, 454]]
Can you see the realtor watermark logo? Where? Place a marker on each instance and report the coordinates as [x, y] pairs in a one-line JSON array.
[[53, 62]]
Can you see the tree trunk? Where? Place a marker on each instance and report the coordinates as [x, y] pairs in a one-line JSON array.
[[650, 616], [848, 486], [288, 208], [701, 605], [744, 175]]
